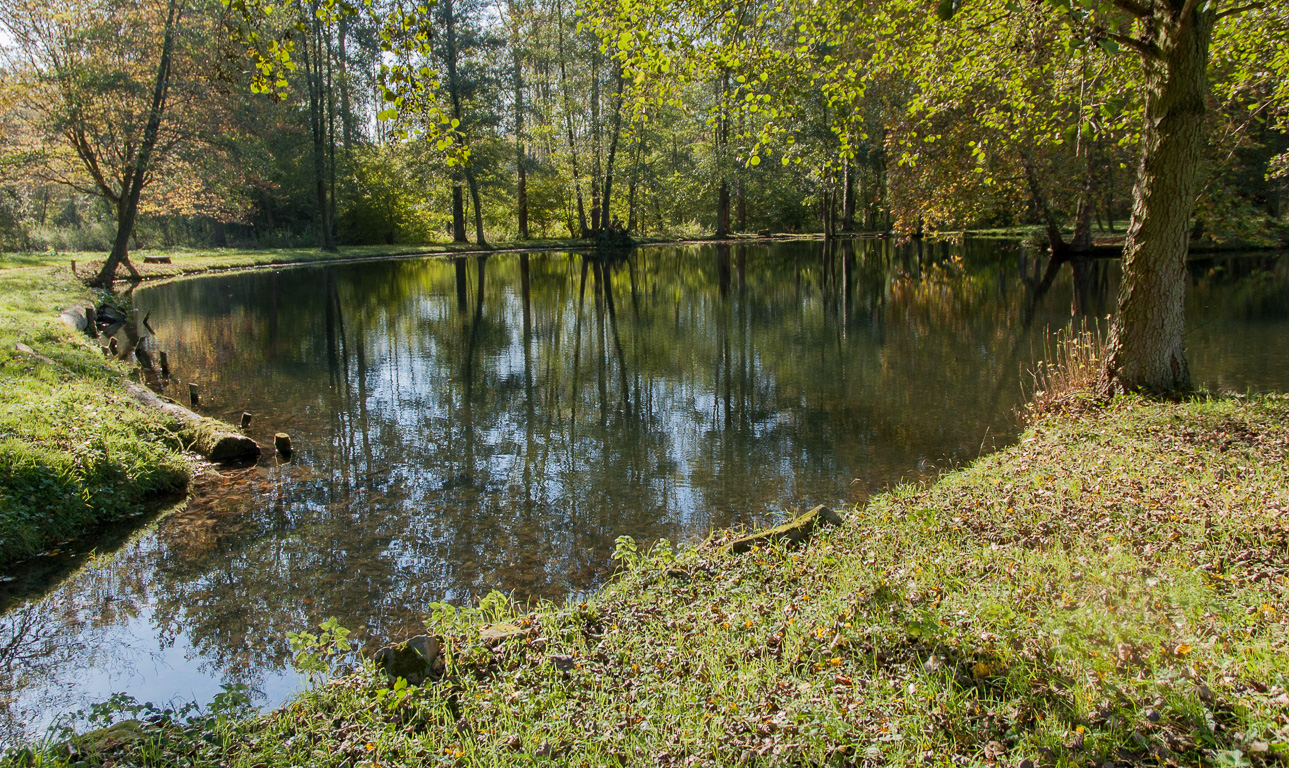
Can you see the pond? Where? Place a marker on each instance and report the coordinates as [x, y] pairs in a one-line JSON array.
[[477, 423]]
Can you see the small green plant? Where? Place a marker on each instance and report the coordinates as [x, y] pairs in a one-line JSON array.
[[314, 654], [662, 553], [626, 552], [495, 606], [440, 614], [395, 695]]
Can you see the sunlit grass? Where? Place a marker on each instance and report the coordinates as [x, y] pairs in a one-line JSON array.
[[75, 451]]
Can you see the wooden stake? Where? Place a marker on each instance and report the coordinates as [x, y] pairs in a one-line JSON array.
[[246, 420], [193, 394]]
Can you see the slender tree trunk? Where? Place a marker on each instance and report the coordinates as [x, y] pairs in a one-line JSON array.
[[346, 110], [458, 214], [848, 199], [568, 120], [521, 158], [613, 151], [631, 188], [740, 204], [128, 203], [1042, 209], [1146, 346], [596, 223], [722, 142], [473, 181]]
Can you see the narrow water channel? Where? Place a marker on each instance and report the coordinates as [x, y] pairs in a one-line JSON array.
[[480, 423]]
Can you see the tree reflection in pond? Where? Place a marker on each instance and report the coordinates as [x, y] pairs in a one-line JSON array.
[[494, 422]]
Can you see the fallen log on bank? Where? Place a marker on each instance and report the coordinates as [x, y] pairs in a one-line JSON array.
[[206, 436], [796, 531]]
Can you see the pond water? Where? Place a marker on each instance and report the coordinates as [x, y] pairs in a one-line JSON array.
[[470, 424]]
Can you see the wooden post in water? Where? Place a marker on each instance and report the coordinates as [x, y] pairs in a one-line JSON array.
[[246, 419], [193, 395], [165, 363], [282, 442]]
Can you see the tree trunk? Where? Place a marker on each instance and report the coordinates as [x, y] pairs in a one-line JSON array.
[[458, 214], [473, 181], [848, 199], [1147, 342], [521, 159], [596, 223], [1042, 210], [613, 152], [740, 204], [723, 208], [568, 121], [128, 203]]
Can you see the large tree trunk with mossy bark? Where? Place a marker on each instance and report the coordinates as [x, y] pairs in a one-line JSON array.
[[1146, 350]]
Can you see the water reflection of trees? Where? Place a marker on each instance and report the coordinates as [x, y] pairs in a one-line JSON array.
[[495, 422]]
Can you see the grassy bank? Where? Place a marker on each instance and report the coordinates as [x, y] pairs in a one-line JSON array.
[[75, 451], [1111, 590]]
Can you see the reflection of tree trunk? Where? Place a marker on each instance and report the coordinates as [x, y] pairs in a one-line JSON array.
[[617, 339], [472, 342], [723, 268], [601, 356], [1081, 267], [577, 351], [275, 291], [459, 264]]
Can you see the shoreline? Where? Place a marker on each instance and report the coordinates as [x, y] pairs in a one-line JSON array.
[[44, 286], [1101, 591]]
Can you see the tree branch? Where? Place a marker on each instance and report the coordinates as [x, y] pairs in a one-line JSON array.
[[1149, 50], [1236, 11], [1132, 7]]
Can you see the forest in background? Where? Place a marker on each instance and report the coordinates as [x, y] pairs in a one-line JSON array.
[[510, 119]]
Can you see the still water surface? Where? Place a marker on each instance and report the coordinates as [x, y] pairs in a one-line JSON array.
[[470, 424]]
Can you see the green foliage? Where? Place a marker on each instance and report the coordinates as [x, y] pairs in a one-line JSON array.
[[316, 654], [382, 202]]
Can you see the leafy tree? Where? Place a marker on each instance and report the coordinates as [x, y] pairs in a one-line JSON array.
[[117, 94]]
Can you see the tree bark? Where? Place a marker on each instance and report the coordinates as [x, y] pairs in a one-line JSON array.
[[613, 152], [1146, 348], [568, 121], [128, 203], [458, 214], [473, 181]]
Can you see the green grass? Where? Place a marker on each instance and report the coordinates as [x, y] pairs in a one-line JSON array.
[[75, 451], [1112, 589]]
